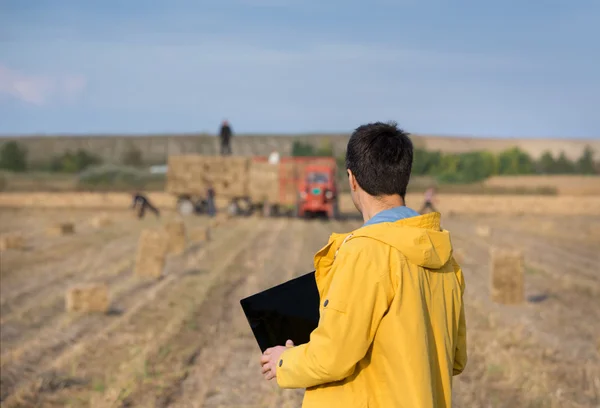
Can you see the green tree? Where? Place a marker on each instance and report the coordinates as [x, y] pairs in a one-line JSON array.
[[13, 157], [132, 157], [546, 163], [514, 162], [585, 164], [70, 162], [564, 165], [326, 149], [425, 162], [300, 149]]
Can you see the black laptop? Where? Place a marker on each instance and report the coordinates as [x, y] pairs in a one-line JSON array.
[[287, 311]]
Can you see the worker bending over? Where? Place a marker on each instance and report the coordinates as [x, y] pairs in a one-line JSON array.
[[142, 203], [392, 329]]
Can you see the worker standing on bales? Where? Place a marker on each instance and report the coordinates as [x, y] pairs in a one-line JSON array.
[[392, 329], [142, 203], [225, 135], [429, 200]]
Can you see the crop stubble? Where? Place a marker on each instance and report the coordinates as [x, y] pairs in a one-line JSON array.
[[183, 341]]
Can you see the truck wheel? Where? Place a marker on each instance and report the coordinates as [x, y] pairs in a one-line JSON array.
[[185, 207], [234, 208], [267, 209]]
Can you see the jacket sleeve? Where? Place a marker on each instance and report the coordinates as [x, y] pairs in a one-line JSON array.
[[460, 356], [357, 299]]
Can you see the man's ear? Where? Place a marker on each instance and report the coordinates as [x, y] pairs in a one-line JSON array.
[[352, 181]]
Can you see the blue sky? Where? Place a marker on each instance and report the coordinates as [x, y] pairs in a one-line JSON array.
[[483, 68]]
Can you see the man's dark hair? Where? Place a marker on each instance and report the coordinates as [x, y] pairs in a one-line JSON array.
[[380, 156]]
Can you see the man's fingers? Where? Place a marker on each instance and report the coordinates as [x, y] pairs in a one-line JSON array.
[[268, 351], [270, 375], [289, 343], [265, 359], [265, 369]]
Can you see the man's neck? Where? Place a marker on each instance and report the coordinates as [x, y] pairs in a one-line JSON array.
[[376, 205]]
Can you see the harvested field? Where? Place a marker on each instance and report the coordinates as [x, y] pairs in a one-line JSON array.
[[182, 340]]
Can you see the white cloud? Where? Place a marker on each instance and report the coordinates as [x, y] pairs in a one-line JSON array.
[[40, 89]]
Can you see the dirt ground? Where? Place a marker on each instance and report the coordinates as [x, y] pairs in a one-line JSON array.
[[182, 341]]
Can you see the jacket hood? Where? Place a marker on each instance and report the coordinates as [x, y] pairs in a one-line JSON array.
[[419, 238]]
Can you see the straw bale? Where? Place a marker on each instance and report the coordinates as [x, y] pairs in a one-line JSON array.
[[151, 254], [507, 276], [61, 229], [191, 174], [88, 298], [176, 237], [11, 241], [483, 231], [101, 221]]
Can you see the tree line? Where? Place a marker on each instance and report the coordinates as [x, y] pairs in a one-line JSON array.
[[13, 157], [471, 167]]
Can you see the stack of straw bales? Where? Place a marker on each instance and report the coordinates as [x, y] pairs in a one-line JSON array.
[[11, 241], [61, 229], [191, 174], [264, 182], [88, 298], [507, 276], [176, 238], [151, 254]]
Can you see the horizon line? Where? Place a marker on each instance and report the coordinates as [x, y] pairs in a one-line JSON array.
[[288, 134]]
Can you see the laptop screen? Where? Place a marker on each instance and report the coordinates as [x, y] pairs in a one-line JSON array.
[[287, 311]]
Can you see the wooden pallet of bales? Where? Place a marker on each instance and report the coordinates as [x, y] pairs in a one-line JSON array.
[[56, 230], [507, 281], [176, 237], [12, 241], [88, 298], [151, 254]]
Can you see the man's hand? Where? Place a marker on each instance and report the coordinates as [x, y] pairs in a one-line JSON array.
[[270, 360]]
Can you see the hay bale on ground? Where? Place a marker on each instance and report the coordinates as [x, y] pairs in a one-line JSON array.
[[101, 221], [176, 237], [507, 276], [151, 254], [11, 241], [88, 298], [483, 231], [57, 230]]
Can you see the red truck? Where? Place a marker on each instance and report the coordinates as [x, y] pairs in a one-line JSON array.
[[305, 186], [318, 193]]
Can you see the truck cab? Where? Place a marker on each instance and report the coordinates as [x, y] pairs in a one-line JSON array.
[[317, 191]]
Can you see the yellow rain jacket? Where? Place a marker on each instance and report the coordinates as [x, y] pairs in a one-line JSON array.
[[392, 328]]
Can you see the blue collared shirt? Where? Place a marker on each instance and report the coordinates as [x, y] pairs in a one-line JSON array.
[[391, 215]]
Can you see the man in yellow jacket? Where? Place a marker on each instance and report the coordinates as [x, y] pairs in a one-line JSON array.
[[392, 328]]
